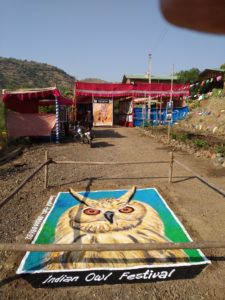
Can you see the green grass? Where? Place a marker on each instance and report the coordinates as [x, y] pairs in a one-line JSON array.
[[180, 136], [220, 149], [201, 144]]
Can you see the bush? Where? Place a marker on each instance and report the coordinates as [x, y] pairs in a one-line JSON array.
[[183, 137], [220, 149], [217, 92], [194, 104], [201, 144], [174, 136]]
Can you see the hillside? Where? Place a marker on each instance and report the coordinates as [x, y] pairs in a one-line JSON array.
[[207, 116], [94, 80], [15, 73]]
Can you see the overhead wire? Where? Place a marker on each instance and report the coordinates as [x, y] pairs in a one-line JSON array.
[[161, 38]]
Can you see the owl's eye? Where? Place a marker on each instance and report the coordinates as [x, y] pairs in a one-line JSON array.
[[126, 209], [91, 211]]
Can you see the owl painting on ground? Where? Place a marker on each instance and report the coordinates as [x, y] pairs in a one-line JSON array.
[[110, 221]]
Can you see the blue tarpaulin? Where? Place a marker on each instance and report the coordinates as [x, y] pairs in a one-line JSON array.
[[158, 117]]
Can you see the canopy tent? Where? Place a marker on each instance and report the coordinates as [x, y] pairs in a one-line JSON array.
[[23, 118], [27, 101], [87, 93]]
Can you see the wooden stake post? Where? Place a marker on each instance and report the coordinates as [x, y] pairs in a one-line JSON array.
[[171, 167], [46, 171]]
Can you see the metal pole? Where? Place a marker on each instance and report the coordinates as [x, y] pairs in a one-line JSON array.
[[171, 97], [171, 88], [149, 81]]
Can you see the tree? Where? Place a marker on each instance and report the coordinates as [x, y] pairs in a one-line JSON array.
[[188, 76], [222, 66]]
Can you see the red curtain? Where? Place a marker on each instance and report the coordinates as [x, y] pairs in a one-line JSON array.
[[19, 124]]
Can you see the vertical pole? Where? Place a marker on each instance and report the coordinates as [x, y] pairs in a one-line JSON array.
[[57, 119], [171, 97], [161, 110], [171, 167], [46, 171], [132, 110], [75, 102], [149, 81], [168, 132]]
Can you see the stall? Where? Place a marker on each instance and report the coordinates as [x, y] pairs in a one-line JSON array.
[[115, 103], [36, 113], [105, 100]]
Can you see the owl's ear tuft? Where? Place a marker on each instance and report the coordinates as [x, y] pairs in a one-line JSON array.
[[126, 198], [81, 198]]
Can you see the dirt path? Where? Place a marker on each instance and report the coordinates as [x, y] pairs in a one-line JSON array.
[[199, 208]]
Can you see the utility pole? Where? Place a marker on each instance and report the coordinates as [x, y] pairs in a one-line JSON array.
[[149, 81], [171, 87], [171, 97]]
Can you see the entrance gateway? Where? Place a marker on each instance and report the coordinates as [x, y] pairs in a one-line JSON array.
[[115, 103]]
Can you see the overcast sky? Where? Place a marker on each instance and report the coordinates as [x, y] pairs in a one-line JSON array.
[[103, 38]]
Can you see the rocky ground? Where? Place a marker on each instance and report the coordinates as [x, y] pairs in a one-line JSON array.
[[199, 208]]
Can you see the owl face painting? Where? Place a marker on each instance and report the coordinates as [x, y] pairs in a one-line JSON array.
[[110, 215], [110, 221]]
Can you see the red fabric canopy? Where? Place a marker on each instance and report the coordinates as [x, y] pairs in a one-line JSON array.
[[116, 90], [160, 89], [103, 89], [27, 101]]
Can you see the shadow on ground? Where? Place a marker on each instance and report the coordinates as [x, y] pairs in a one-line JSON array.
[[101, 144], [107, 133]]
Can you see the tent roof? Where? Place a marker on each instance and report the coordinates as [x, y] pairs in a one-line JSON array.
[[28, 100], [112, 90]]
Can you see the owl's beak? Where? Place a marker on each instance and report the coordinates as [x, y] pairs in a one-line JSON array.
[[109, 216]]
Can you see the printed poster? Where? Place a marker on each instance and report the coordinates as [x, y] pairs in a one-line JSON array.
[[169, 111], [103, 112]]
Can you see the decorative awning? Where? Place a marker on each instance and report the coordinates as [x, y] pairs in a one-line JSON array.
[[118, 90], [107, 90], [27, 101]]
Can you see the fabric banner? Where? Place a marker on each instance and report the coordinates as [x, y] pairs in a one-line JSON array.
[[117, 90], [160, 89], [103, 89], [103, 112], [19, 125]]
